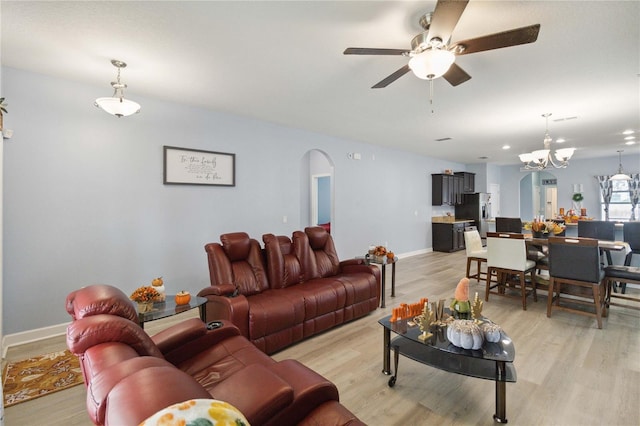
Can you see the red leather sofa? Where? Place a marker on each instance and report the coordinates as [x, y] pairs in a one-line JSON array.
[[130, 375], [292, 289]]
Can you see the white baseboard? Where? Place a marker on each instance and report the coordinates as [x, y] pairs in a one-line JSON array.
[[61, 329], [32, 336], [414, 253]]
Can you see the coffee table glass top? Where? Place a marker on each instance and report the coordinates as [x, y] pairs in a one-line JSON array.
[[169, 308], [438, 352]]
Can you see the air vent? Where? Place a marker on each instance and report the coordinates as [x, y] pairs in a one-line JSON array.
[[443, 139], [565, 119]]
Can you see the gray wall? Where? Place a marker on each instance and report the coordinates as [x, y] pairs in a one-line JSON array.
[[84, 201]]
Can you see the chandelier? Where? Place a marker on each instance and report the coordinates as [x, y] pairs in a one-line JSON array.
[[117, 105], [542, 159]]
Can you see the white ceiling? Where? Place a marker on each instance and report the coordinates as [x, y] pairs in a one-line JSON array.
[[282, 62]]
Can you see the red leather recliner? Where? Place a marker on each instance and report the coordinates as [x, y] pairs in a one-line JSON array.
[[130, 375]]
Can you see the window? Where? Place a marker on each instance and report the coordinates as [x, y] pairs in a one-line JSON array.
[[620, 204]]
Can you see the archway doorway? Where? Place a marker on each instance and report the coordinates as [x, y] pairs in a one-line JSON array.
[[538, 195], [318, 189]]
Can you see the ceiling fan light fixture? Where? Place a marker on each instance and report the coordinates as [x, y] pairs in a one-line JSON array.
[[432, 63], [117, 105]]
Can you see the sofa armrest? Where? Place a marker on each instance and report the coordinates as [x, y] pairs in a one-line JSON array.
[[179, 334], [188, 349], [234, 309], [354, 261], [145, 392], [257, 392], [228, 290], [352, 266]]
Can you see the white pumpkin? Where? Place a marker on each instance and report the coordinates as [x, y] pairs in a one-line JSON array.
[[465, 334], [491, 332]]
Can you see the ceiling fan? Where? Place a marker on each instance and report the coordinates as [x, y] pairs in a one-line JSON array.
[[432, 54]]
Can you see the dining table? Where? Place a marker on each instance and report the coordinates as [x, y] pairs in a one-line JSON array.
[[604, 245]]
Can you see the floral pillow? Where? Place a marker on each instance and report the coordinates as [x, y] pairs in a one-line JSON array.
[[198, 412]]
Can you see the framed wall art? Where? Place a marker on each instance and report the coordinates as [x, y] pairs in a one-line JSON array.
[[183, 166]]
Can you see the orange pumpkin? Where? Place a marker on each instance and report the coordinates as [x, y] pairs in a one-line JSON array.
[[157, 282], [183, 298]]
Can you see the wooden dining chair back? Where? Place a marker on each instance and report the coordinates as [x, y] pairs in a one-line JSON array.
[[576, 277], [476, 254], [506, 259], [509, 224]]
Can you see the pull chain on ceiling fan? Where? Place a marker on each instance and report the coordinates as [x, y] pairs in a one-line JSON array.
[[433, 56]]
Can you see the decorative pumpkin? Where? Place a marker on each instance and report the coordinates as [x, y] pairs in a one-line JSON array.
[[465, 334], [460, 301], [491, 332], [390, 255], [183, 298], [157, 282]]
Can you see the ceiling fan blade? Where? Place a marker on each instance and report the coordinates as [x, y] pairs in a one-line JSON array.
[[373, 51], [445, 18], [456, 75], [393, 77], [509, 38]]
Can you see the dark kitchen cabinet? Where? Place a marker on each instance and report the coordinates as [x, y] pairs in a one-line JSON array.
[[468, 182], [448, 237], [446, 190]]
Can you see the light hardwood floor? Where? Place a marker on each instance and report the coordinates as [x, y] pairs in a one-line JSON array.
[[569, 372]]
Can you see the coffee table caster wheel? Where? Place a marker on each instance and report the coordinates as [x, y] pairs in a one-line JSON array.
[[392, 381]]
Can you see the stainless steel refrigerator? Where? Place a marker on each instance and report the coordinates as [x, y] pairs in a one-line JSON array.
[[476, 207]]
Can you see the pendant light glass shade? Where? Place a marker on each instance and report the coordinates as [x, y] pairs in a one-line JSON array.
[[621, 175], [117, 105]]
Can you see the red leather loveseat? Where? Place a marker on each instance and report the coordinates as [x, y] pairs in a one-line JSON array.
[[292, 289], [130, 375]]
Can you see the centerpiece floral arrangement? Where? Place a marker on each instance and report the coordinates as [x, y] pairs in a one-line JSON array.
[[547, 227], [145, 294]]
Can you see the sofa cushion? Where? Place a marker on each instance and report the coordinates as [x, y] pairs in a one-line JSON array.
[[283, 267], [238, 261], [324, 251], [257, 406], [272, 311]]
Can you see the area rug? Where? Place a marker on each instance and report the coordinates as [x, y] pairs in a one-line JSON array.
[[35, 377]]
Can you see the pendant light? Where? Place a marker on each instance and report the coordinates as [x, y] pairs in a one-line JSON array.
[[621, 175], [117, 105]]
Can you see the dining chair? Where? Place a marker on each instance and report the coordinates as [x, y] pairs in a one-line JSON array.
[[576, 277], [509, 224], [631, 236], [622, 275], [600, 230], [475, 253], [507, 258]]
